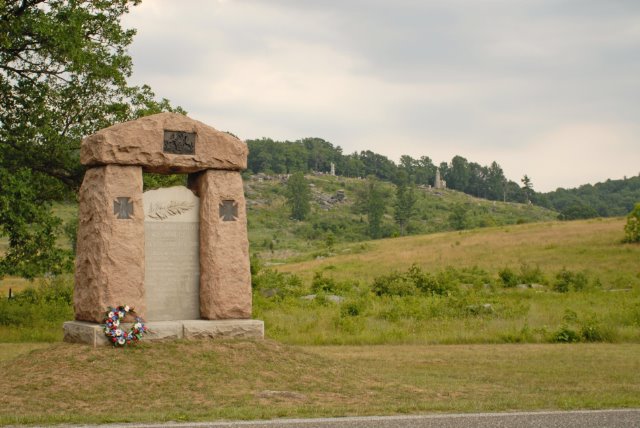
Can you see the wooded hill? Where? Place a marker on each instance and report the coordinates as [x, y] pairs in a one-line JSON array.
[[609, 199], [612, 198], [337, 217]]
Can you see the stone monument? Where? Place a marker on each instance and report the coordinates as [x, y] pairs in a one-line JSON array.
[[179, 256], [439, 183]]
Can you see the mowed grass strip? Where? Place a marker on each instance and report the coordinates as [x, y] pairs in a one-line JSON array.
[[190, 381], [592, 245]]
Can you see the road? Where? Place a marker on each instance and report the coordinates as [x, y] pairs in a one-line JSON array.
[[575, 419]]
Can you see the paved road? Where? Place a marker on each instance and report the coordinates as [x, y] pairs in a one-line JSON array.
[[577, 419]]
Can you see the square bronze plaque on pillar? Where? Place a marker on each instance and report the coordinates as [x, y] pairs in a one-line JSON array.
[[179, 142]]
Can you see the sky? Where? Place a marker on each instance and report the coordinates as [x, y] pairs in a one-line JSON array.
[[547, 88]]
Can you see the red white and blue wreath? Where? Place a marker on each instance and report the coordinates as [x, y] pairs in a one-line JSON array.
[[118, 336]]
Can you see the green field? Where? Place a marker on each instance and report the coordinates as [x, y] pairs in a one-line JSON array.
[[474, 305]]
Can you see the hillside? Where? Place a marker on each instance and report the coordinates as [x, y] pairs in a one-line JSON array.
[[585, 245], [607, 199], [275, 237], [543, 282]]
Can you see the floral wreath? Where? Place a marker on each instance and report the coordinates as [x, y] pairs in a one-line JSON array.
[[116, 335]]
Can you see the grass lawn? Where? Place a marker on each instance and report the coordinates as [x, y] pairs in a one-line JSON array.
[[190, 381]]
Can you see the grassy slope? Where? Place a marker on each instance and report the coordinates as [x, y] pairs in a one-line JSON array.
[[239, 380], [592, 245], [611, 303], [277, 238]]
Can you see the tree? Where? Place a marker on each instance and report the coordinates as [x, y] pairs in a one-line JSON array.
[[458, 217], [371, 201], [298, 196], [632, 228], [405, 203], [527, 188], [63, 71]]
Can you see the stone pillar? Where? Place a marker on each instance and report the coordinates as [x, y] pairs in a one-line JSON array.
[[225, 276], [110, 250]]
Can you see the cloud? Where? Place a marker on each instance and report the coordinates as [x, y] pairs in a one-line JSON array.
[[536, 85]]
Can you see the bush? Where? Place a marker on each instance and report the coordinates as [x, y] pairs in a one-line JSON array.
[[37, 313], [280, 284], [632, 228], [414, 281], [531, 275], [323, 284], [565, 335], [508, 277], [570, 281], [395, 284], [594, 331], [351, 308]]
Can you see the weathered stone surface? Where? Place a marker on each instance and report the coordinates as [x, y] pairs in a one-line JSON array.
[[110, 249], [172, 268], [203, 329], [142, 142], [163, 330], [225, 278], [93, 334], [84, 332]]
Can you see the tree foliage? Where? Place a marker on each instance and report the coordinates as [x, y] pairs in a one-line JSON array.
[[405, 204], [610, 198], [632, 228], [371, 200], [63, 71], [298, 196], [527, 187], [315, 154]]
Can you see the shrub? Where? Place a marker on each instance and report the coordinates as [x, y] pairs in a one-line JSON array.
[[426, 283], [280, 284], [351, 309], [531, 275], [508, 277], [415, 281], [324, 284], [41, 308], [632, 228], [565, 335], [395, 284], [570, 281], [594, 331]]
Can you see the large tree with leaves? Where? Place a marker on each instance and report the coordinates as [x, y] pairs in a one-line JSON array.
[[298, 196], [405, 203], [63, 72], [371, 200]]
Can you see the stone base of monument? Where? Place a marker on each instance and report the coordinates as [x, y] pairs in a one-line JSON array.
[[93, 334]]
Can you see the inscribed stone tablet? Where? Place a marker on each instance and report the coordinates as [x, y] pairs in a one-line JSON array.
[[172, 265]]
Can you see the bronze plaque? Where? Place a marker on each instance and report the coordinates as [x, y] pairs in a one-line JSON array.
[[179, 142]]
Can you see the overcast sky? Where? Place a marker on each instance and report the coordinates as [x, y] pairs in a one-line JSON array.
[[547, 88]]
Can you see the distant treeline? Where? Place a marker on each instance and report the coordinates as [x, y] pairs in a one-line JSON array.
[[316, 154], [611, 198]]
